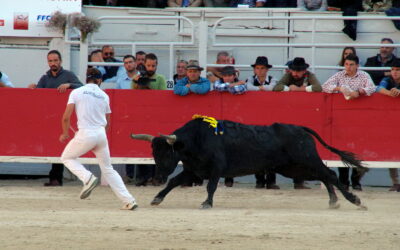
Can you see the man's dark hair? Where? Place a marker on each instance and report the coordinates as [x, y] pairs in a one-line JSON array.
[[55, 52], [151, 56], [353, 58], [95, 52], [129, 56], [387, 39], [141, 52], [93, 75], [106, 46]]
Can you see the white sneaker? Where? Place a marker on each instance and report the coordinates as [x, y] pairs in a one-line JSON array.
[[129, 206], [89, 186]]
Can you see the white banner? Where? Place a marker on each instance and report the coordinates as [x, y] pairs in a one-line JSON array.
[[28, 17]]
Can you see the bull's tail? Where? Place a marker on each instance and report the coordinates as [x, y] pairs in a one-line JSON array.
[[348, 158]]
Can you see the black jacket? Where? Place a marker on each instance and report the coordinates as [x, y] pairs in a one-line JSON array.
[[377, 75]]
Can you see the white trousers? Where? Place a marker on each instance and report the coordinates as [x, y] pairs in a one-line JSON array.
[[94, 140]]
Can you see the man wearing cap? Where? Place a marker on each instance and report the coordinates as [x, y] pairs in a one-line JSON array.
[[193, 82], [390, 86], [92, 108], [261, 80], [298, 78], [4, 81], [385, 58]]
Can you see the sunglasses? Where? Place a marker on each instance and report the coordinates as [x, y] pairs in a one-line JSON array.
[[109, 54]]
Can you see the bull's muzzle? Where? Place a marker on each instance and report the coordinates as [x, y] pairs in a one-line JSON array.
[[143, 137], [171, 139]]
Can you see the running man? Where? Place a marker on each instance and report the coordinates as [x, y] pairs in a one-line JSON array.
[[92, 107]]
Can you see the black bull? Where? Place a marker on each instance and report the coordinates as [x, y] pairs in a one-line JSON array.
[[241, 150]]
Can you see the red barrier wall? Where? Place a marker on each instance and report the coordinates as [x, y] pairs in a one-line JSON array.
[[30, 119]]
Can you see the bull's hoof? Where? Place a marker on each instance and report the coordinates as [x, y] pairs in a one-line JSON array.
[[206, 205], [362, 207], [357, 201], [334, 206], [156, 201]]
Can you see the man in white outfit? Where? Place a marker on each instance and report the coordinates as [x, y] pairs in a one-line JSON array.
[[93, 112]]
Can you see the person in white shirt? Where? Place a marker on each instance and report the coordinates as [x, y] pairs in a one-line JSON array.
[[92, 107], [5, 81]]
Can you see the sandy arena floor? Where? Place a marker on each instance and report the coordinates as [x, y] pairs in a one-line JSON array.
[[35, 217]]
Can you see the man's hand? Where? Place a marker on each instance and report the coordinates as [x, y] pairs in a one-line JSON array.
[[293, 87], [394, 92], [63, 137], [63, 87], [188, 85], [32, 86]]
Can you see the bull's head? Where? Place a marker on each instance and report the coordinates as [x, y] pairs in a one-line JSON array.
[[165, 156]]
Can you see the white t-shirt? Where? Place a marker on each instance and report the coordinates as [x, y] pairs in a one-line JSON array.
[[91, 106]]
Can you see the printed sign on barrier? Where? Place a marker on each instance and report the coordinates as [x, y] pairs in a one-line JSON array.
[[28, 18]]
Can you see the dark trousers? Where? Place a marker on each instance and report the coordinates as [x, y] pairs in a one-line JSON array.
[[145, 171], [56, 172], [130, 170], [344, 176], [265, 179], [270, 179]]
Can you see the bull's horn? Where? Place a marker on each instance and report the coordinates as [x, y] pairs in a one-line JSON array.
[[171, 139], [143, 137]]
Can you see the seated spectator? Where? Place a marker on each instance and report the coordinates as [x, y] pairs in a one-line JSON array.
[[298, 78], [5, 81], [193, 82], [349, 8], [185, 3], [385, 58], [230, 82], [97, 56], [140, 56], [261, 80], [214, 73], [216, 3], [149, 79], [249, 3], [347, 51], [108, 56], [376, 5], [351, 81], [125, 77], [390, 86], [180, 70], [312, 5]]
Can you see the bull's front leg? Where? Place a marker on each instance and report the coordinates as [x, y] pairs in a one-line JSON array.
[[172, 183], [211, 187]]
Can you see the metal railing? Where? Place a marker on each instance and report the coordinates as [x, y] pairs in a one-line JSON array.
[[171, 44], [313, 45]]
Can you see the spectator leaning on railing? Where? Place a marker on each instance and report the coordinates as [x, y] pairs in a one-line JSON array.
[[298, 78], [60, 79], [352, 83], [5, 81], [390, 86], [193, 82], [230, 82]]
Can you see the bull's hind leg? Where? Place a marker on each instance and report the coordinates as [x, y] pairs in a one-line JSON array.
[[174, 182], [332, 195], [349, 196]]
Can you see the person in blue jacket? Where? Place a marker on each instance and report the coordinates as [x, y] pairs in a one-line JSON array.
[[193, 82]]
